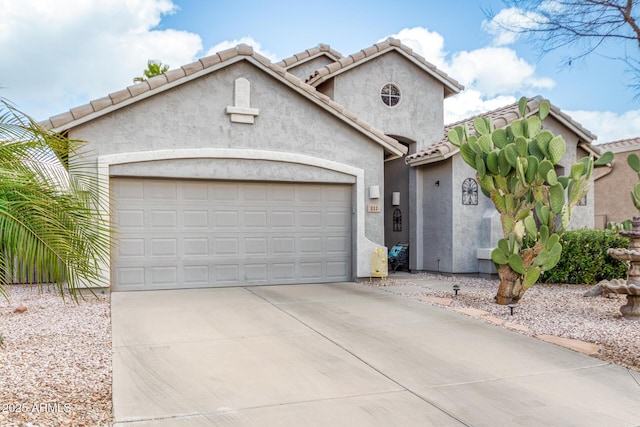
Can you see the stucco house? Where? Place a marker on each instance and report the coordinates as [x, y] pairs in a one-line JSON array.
[[613, 184], [458, 223], [234, 170]]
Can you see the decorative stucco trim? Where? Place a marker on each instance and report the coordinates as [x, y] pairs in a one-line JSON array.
[[363, 245], [242, 112]]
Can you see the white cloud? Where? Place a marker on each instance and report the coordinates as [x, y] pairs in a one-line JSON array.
[[471, 103], [57, 54], [492, 76], [609, 126], [506, 24], [257, 47], [496, 71], [428, 44]]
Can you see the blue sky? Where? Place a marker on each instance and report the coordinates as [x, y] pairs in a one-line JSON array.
[[59, 54]]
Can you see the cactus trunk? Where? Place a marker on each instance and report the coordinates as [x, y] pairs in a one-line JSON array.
[[512, 286]]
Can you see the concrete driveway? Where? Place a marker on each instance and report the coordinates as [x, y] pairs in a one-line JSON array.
[[345, 355]]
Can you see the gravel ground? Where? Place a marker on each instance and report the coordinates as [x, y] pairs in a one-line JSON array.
[[55, 359], [559, 310]]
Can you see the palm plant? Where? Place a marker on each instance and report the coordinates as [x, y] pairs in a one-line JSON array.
[[154, 68], [51, 228]]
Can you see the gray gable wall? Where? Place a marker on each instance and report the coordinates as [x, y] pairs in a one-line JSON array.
[[192, 116], [418, 116]]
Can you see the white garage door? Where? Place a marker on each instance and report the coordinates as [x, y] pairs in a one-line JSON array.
[[191, 233]]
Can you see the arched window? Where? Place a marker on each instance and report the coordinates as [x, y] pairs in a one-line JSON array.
[[469, 192]]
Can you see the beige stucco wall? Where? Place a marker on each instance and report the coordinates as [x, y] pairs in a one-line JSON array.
[[581, 216], [612, 192]]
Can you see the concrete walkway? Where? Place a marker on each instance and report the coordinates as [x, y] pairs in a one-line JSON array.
[[345, 355]]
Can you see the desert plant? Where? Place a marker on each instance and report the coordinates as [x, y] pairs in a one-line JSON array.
[[515, 167], [634, 162], [625, 225]]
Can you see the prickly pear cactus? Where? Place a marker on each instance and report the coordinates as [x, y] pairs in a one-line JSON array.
[[634, 161], [515, 167]]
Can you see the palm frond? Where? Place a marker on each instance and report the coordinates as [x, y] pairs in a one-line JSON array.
[[50, 221]]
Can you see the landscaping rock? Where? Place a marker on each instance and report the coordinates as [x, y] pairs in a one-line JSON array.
[[20, 309], [595, 291]]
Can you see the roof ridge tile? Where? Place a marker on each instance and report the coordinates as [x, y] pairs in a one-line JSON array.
[[138, 88], [193, 67]]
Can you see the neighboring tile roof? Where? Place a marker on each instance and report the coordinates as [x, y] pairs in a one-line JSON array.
[[320, 50], [172, 78], [329, 71], [500, 117], [621, 146]]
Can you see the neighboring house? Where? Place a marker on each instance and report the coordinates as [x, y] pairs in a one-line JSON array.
[[614, 185], [460, 225]]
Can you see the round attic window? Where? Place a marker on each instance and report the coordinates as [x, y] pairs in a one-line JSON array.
[[390, 95]]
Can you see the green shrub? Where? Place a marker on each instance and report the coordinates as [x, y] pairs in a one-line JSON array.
[[585, 259]]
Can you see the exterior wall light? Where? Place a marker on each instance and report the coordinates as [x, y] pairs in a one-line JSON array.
[[395, 198], [374, 192]]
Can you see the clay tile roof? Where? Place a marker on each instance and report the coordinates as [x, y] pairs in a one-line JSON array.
[[320, 50], [133, 93], [329, 71], [621, 146], [500, 117]]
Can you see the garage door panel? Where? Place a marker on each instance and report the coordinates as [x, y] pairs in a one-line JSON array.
[[225, 219], [187, 234], [129, 248], [162, 190], [163, 218], [284, 246], [130, 219], [338, 245], [164, 248], [337, 269], [311, 270], [283, 219], [131, 278], [195, 247], [196, 275], [229, 246], [196, 219], [256, 246], [256, 219]]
